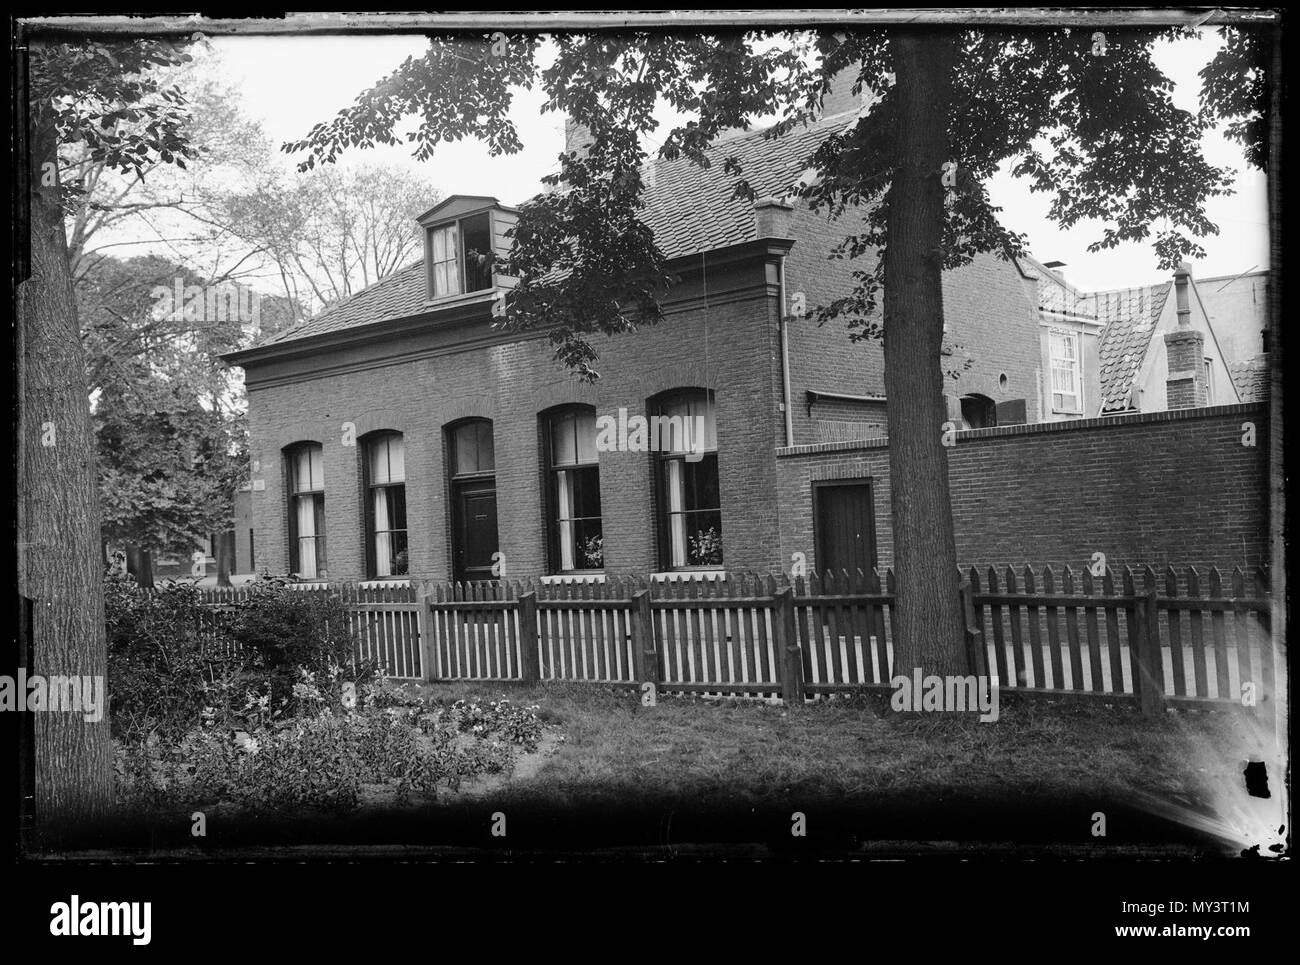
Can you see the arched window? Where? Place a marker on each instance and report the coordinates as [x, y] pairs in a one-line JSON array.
[[305, 471], [385, 505], [683, 433], [472, 481], [978, 411], [574, 536]]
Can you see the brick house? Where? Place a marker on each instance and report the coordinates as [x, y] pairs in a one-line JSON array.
[[1146, 349], [398, 433]]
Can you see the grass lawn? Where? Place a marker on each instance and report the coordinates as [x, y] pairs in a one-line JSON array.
[[694, 775], [1038, 773]]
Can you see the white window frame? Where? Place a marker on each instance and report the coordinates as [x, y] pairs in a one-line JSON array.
[[1072, 364], [457, 240]]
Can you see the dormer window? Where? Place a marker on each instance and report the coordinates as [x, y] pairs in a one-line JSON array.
[[460, 256], [465, 238]]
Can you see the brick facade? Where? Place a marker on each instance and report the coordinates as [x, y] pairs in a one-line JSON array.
[[1165, 487], [1021, 493]]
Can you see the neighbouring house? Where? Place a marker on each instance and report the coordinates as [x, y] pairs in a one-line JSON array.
[[1238, 307], [1145, 349], [399, 434]]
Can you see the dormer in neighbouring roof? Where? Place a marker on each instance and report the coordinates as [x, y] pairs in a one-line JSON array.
[[466, 238]]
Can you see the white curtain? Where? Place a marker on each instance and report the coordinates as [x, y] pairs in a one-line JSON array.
[[306, 537], [383, 541], [565, 508], [676, 521]]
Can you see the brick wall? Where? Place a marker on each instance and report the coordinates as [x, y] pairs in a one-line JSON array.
[[1159, 488], [729, 347], [992, 324]]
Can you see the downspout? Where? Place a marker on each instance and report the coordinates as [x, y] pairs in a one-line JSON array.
[[785, 357]]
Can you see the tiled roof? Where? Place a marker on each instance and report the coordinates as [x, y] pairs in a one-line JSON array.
[[688, 208], [1130, 318], [1251, 378], [400, 294]]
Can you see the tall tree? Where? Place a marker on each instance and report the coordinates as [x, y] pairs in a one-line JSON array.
[[330, 232], [91, 93], [1083, 114], [169, 415]]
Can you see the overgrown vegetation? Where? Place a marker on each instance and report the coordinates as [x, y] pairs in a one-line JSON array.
[[269, 710]]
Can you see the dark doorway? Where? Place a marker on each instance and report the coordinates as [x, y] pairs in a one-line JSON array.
[[476, 530], [845, 527], [472, 465], [979, 412]]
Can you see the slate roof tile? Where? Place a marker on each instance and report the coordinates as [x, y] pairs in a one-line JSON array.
[[1130, 317], [689, 209]]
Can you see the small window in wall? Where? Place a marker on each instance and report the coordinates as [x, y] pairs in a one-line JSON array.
[[687, 490], [1067, 395], [460, 256], [385, 495], [306, 472], [573, 491], [978, 412], [1209, 381]]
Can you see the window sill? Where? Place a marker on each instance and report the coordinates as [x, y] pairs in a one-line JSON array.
[[462, 298], [560, 578], [671, 576]]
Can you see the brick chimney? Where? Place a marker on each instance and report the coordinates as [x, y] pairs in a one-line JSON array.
[[839, 99], [577, 137], [1185, 351], [772, 218]]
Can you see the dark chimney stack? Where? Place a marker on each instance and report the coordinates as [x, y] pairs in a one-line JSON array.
[[1185, 387]]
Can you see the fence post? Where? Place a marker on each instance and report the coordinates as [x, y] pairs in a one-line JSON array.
[[643, 639], [424, 627], [529, 668], [975, 658], [1147, 676], [787, 645]]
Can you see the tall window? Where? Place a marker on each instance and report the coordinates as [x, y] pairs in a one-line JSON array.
[[1064, 351], [385, 465], [1209, 381], [573, 493], [684, 434], [471, 469], [460, 256], [306, 472]]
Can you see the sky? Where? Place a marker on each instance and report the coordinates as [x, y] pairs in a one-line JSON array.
[[291, 83]]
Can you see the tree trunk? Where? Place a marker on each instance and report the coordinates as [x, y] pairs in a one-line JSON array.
[[58, 508], [139, 564], [225, 556], [930, 627]]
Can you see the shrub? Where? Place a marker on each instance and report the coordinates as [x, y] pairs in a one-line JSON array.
[[317, 762], [288, 629], [164, 665]]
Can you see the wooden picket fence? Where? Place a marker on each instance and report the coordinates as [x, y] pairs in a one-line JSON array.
[[385, 620], [1136, 636], [1158, 637]]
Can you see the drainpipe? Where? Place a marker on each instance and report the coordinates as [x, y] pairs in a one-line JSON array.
[[772, 220], [785, 359]]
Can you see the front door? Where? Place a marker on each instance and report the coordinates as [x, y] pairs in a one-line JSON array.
[[845, 528], [476, 530]]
